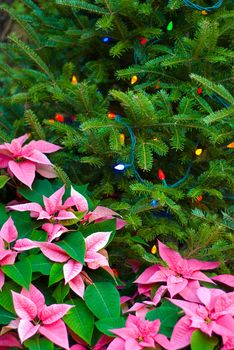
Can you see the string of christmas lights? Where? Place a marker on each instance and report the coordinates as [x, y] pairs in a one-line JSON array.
[[194, 6], [131, 164]]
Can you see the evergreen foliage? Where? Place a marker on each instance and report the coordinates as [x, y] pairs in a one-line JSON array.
[[168, 116]]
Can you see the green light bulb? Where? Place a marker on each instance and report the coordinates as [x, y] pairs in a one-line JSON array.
[[170, 26]]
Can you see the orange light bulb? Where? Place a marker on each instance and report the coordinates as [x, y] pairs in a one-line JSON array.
[[134, 79], [111, 115], [122, 138], [231, 145]]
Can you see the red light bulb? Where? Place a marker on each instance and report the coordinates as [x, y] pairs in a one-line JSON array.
[[59, 117], [199, 90], [161, 175], [143, 40]]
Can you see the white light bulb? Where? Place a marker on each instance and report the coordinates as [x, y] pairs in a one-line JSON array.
[[119, 167]]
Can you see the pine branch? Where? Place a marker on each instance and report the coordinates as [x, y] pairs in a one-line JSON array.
[[82, 5], [174, 4], [91, 160], [219, 115], [33, 6], [4, 136], [26, 26], [216, 88], [144, 156], [15, 99], [34, 123], [31, 54], [178, 139], [62, 176]]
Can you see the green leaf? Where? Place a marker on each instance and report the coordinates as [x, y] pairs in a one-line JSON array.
[[38, 235], [37, 343], [61, 292], [24, 223], [74, 245], [103, 300], [101, 275], [40, 263], [3, 180], [3, 215], [80, 320], [149, 257], [6, 316], [6, 297], [202, 341], [138, 239], [40, 188], [105, 324], [20, 272], [168, 314], [56, 273]]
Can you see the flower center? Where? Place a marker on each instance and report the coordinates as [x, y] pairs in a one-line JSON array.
[[208, 320], [18, 159], [140, 339], [36, 321]]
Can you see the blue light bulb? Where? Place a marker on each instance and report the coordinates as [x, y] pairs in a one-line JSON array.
[[154, 203], [105, 39]]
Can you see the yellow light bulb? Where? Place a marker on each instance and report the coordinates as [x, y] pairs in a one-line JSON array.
[[204, 12], [74, 80], [154, 249], [122, 138], [51, 120], [134, 79], [198, 151]]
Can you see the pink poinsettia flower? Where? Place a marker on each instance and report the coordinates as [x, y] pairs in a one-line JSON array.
[[25, 161], [228, 343], [102, 342], [181, 275], [8, 234], [214, 314], [55, 211], [36, 317], [225, 279], [138, 334], [9, 341], [72, 269], [142, 308], [100, 345], [100, 214]]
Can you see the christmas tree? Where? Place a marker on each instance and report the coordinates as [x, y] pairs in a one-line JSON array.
[[138, 94]]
